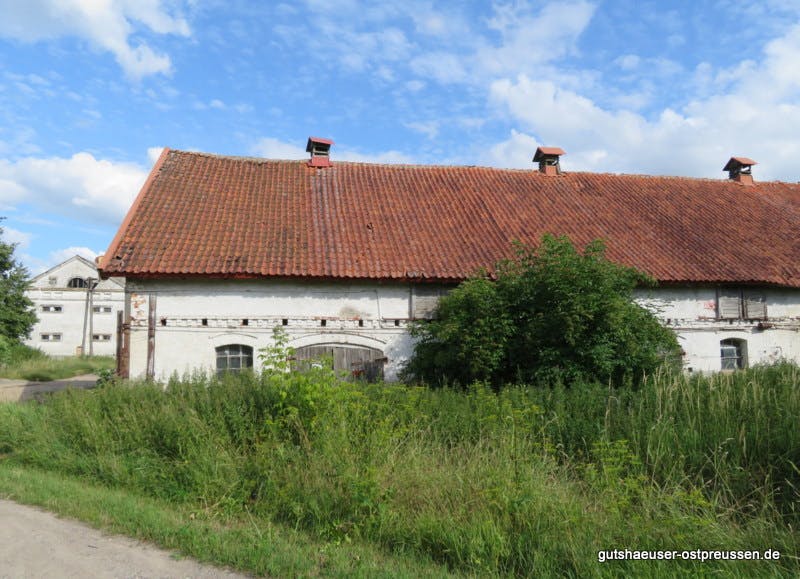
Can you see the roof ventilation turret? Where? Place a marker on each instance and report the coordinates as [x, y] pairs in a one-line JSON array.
[[320, 150], [739, 170], [548, 159]]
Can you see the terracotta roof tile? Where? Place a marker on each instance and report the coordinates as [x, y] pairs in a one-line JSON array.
[[202, 214]]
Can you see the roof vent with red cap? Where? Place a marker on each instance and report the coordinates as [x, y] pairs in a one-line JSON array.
[[739, 170], [548, 159], [320, 150]]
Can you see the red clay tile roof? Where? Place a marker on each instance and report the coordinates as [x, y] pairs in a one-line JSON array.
[[209, 215]]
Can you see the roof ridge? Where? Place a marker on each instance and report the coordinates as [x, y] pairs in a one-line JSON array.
[[417, 166]]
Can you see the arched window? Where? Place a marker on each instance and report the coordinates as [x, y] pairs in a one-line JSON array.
[[77, 282], [234, 358], [733, 353]]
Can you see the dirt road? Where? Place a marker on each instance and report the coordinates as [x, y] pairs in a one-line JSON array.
[[19, 390], [34, 544]]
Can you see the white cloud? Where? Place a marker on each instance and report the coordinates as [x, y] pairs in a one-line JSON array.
[[153, 153], [21, 238], [212, 104], [107, 25], [359, 50], [36, 265], [516, 152], [518, 39], [628, 61], [528, 40], [81, 186], [735, 114], [430, 128], [442, 67], [271, 148], [60, 255]]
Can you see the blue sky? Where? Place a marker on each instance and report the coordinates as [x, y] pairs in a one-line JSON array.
[[91, 90]]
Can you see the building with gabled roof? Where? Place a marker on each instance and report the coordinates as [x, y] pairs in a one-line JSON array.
[[219, 250], [77, 310]]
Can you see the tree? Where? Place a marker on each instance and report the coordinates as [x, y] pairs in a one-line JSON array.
[[17, 315], [553, 314]]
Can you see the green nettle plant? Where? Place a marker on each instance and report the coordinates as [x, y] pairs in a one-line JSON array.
[[553, 314], [277, 357]]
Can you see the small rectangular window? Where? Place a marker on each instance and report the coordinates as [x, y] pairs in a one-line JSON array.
[[53, 309], [50, 337], [101, 309], [101, 337], [52, 280]]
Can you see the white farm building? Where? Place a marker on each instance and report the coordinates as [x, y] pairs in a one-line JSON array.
[[217, 251], [77, 310]]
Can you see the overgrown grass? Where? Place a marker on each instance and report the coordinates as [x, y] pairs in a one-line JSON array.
[[527, 481], [240, 542], [25, 363]]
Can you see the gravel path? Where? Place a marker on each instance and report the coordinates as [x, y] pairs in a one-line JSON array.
[[19, 390], [34, 543]]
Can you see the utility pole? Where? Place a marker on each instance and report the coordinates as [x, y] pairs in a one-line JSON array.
[[85, 317], [91, 283]]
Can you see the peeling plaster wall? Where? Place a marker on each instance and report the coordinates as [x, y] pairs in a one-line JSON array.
[[691, 313], [372, 315], [377, 315]]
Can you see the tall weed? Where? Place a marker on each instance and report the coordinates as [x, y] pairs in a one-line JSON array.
[[525, 481]]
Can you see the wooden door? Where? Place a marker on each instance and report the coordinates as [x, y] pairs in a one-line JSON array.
[[357, 362]]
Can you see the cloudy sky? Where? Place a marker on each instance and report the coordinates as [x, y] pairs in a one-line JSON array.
[[91, 90]]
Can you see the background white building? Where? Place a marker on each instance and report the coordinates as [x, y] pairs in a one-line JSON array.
[[77, 310]]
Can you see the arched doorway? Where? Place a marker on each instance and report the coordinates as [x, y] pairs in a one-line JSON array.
[[357, 362]]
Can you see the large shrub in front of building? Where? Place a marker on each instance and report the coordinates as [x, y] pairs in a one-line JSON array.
[[553, 314]]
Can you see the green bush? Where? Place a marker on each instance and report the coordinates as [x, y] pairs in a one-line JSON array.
[[553, 315]]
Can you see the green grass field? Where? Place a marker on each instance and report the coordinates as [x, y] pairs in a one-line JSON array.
[[524, 482], [24, 363]]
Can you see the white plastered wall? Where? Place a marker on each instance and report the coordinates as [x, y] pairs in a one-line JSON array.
[[195, 317], [691, 313], [376, 315]]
